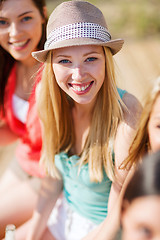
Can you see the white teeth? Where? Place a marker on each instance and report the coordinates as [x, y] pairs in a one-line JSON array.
[[80, 89], [19, 44]]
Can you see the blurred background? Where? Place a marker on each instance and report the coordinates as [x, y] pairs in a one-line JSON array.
[[138, 63]]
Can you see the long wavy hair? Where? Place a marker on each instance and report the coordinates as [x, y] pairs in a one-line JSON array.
[[58, 130], [141, 145], [7, 61]]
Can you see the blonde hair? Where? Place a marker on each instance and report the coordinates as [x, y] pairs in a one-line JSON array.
[[58, 132], [141, 145]]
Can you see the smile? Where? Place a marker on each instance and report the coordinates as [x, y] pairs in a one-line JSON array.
[[81, 88], [19, 45]]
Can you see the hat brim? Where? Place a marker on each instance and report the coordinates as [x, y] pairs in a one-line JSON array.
[[114, 45]]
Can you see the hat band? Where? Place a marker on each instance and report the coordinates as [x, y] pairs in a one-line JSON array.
[[78, 30]]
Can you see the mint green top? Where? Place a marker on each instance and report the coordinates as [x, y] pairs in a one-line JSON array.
[[88, 198]]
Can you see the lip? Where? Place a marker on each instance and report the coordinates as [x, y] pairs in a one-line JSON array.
[[81, 89], [20, 45]]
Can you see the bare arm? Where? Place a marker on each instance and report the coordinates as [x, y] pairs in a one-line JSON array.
[[125, 134], [50, 191], [6, 135], [124, 137]]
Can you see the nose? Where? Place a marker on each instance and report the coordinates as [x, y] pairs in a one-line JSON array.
[[14, 30], [78, 73]]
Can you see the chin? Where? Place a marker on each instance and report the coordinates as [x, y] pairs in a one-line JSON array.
[[22, 58]]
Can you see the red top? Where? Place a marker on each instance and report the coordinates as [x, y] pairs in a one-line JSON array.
[[29, 149]]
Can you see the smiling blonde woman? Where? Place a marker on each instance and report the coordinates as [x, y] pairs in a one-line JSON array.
[[88, 123]]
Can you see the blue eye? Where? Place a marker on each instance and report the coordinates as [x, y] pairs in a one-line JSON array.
[[3, 23], [146, 231], [91, 59], [64, 61], [26, 19]]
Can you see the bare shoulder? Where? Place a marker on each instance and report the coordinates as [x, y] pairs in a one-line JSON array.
[[126, 132], [132, 111]]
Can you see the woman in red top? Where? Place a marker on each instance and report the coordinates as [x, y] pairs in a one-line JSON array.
[[21, 32]]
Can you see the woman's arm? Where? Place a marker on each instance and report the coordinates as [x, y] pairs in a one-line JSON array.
[[125, 134], [49, 193], [124, 137]]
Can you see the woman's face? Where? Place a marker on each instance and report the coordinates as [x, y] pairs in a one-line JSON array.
[[20, 28], [79, 71], [154, 126], [141, 219]]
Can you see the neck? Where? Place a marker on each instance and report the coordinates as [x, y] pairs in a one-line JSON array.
[[25, 78], [81, 115], [28, 64], [84, 110]]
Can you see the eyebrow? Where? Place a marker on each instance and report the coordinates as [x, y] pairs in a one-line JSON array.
[[91, 53], [61, 55], [24, 13], [67, 56], [18, 15]]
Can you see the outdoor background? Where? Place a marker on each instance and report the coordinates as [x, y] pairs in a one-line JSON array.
[[138, 63]]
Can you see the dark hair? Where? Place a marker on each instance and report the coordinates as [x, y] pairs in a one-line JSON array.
[[146, 179], [7, 60]]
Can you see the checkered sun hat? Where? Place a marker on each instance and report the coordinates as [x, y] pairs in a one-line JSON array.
[[76, 23]]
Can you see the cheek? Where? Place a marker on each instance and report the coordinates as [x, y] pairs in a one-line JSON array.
[[61, 73], [3, 39], [36, 30], [4, 42], [154, 138], [57, 73], [155, 143], [99, 73]]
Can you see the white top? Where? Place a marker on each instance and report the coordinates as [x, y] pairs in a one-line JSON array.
[[20, 108], [10, 232]]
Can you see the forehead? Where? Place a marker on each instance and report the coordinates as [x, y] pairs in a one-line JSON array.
[[6, 7], [85, 49], [146, 209]]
